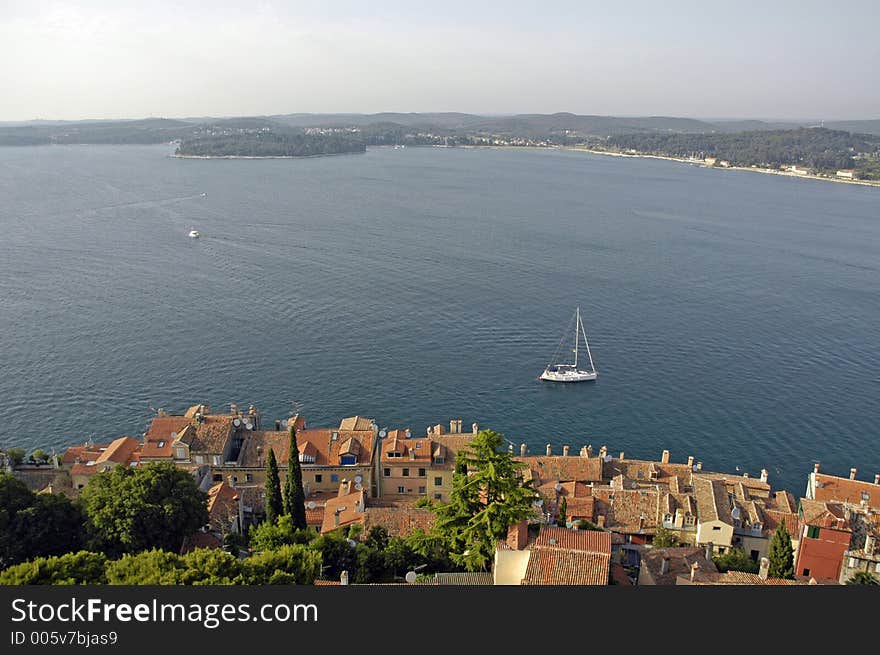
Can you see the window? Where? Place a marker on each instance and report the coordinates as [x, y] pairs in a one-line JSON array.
[[812, 532], [405, 473], [806, 571], [667, 518], [440, 496], [418, 445], [217, 460], [400, 490], [248, 477], [387, 472], [852, 562], [235, 478], [877, 567], [200, 459], [218, 477], [161, 444], [423, 490], [422, 473], [334, 477], [716, 527], [754, 555], [348, 460], [438, 482], [181, 453], [319, 478], [439, 460]]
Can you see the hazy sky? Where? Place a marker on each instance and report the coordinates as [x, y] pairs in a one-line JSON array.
[[111, 58]]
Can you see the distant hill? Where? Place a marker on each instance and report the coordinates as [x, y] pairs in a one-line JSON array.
[[857, 127]]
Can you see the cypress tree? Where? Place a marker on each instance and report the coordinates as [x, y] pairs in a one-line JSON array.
[[294, 497], [781, 555], [563, 509], [273, 489]]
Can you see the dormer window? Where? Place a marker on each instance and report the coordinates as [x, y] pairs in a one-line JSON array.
[[348, 460], [162, 443], [439, 460], [306, 459]]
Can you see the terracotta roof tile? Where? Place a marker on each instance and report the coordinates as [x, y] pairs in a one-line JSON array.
[[830, 487], [399, 521], [572, 468], [158, 442], [356, 423], [680, 562], [556, 566], [592, 541]]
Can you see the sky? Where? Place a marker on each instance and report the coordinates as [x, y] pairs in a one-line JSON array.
[[775, 59]]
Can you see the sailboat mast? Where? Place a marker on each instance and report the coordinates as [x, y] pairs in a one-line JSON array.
[[576, 336], [587, 343]]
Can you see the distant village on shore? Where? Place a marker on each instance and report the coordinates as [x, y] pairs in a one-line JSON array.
[[595, 522]]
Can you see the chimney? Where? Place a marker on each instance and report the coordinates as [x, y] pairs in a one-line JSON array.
[[429, 431], [455, 426], [694, 568], [764, 570], [233, 408], [549, 450], [565, 450], [709, 549], [664, 566], [870, 544], [699, 466], [641, 522], [518, 535], [664, 458], [522, 450], [877, 479], [600, 520], [343, 578], [589, 450], [407, 434], [475, 428], [764, 475], [691, 462], [852, 474], [621, 455], [277, 426], [603, 451], [412, 454], [336, 517], [344, 488], [583, 451], [816, 467]]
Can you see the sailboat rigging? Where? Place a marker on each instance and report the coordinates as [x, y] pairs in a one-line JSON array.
[[565, 372]]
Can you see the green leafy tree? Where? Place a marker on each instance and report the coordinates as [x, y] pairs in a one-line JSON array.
[[863, 578], [209, 566], [735, 559], [16, 455], [485, 502], [371, 565], [424, 502], [135, 509], [296, 564], [563, 510], [274, 505], [271, 536], [149, 567], [781, 555], [583, 524], [337, 554], [77, 568], [294, 496], [39, 456], [377, 537], [35, 525], [664, 538]]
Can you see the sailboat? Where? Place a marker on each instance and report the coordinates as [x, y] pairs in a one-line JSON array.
[[563, 372]]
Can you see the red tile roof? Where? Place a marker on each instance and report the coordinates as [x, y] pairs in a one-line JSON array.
[[830, 487], [555, 566], [592, 541], [580, 469], [163, 430]]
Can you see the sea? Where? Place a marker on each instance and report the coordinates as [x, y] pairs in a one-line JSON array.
[[732, 316]]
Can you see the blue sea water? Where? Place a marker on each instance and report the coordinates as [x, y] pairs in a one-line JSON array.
[[733, 316]]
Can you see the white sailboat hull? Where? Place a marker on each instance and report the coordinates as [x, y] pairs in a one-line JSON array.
[[568, 376]]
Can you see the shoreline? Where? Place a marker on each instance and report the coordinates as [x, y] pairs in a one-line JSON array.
[[768, 171], [323, 154]]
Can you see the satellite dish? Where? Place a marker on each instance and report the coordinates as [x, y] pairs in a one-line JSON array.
[[173, 436], [358, 486], [284, 423], [247, 424], [311, 504], [236, 422], [358, 478], [410, 576], [382, 433]]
